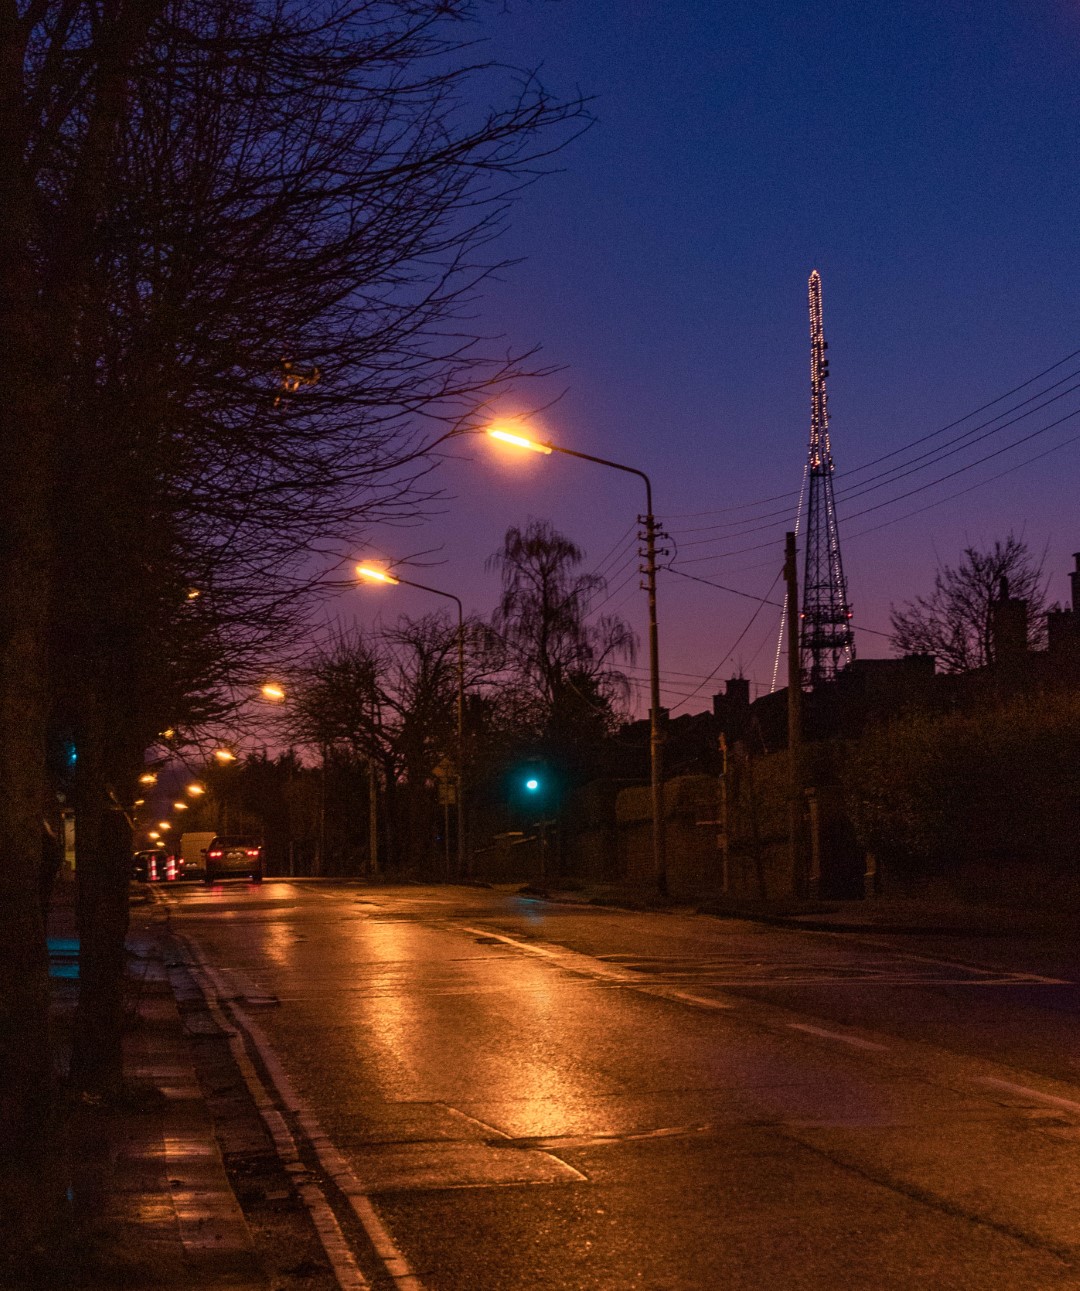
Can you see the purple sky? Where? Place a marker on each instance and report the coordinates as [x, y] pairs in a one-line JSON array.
[[923, 155]]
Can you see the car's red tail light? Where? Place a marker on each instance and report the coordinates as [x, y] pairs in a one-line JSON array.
[[253, 852], [214, 856]]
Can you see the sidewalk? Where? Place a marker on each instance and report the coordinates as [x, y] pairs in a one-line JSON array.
[[151, 1204], [913, 917]]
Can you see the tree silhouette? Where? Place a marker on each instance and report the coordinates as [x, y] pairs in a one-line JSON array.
[[954, 623]]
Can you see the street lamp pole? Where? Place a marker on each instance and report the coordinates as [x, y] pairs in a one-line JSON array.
[[379, 576], [656, 739]]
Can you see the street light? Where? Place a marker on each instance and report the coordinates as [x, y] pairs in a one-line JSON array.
[[656, 751], [224, 756], [273, 692], [374, 575], [195, 790]]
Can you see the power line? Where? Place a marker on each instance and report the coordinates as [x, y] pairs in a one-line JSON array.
[[751, 597], [738, 641], [886, 502], [778, 497]]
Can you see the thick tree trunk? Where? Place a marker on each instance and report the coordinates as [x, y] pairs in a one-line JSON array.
[[102, 871], [26, 1077], [28, 1184], [27, 1181]]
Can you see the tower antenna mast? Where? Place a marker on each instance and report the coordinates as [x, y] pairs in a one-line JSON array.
[[828, 642]]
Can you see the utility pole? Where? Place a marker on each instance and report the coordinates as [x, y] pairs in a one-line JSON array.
[[656, 735], [794, 712], [373, 818]]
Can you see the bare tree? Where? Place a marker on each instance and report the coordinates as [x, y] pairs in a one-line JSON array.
[[240, 246], [568, 684], [954, 623], [389, 699]]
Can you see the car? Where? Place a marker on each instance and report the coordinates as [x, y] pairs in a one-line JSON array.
[[153, 865], [234, 856]]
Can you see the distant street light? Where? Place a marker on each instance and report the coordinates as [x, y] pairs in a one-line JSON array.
[[148, 778], [180, 806], [195, 790], [224, 756], [374, 575], [273, 692], [656, 753]]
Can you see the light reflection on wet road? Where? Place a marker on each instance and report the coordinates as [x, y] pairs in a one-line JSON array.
[[569, 1097]]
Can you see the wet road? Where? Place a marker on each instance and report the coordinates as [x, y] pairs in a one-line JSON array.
[[491, 1092]]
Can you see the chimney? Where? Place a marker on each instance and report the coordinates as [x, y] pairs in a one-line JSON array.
[[1008, 628], [737, 689]]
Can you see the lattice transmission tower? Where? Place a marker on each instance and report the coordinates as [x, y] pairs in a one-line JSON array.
[[827, 640]]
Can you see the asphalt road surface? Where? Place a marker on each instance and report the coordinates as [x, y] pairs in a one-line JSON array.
[[473, 1090]]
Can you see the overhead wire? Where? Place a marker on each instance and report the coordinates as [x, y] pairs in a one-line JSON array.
[[738, 641], [874, 461]]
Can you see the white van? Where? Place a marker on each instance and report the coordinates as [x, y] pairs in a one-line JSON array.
[[193, 853]]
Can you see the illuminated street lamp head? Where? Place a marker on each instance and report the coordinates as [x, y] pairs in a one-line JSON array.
[[193, 593], [148, 777], [164, 824], [153, 834], [195, 790], [180, 806], [224, 756], [273, 692], [374, 575], [507, 436]]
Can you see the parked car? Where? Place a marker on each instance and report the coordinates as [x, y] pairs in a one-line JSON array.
[[234, 856], [154, 865]]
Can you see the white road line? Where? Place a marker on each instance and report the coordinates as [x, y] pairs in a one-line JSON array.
[[329, 1157], [585, 965], [346, 1271], [1051, 1100], [852, 1040], [670, 993]]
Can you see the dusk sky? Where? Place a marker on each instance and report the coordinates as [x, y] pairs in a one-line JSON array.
[[921, 155]]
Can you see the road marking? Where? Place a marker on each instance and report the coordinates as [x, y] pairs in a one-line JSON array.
[[670, 993], [346, 1271], [852, 1040], [329, 1157], [1051, 1100], [586, 966]]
